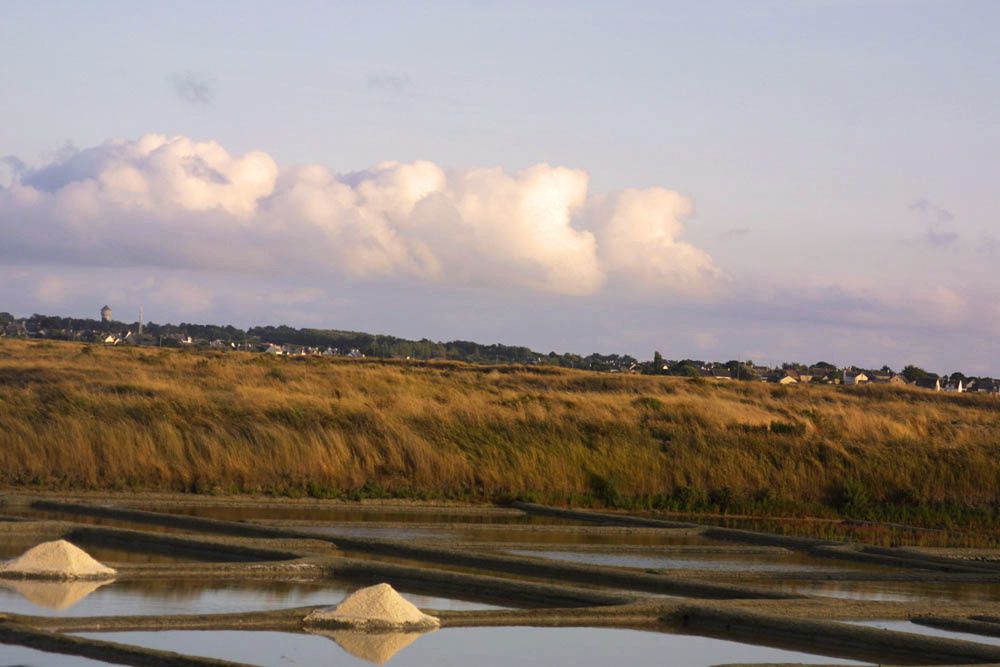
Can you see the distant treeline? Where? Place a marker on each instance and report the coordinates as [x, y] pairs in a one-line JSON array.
[[392, 347], [372, 345]]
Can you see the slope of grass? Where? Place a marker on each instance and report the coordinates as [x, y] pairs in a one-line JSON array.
[[89, 417]]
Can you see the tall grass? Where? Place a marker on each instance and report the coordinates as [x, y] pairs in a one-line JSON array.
[[90, 417]]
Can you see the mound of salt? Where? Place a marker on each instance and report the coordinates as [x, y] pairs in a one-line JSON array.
[[56, 560], [377, 607]]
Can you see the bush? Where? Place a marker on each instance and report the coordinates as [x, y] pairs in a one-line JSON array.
[[606, 490], [276, 374], [854, 500], [648, 403], [788, 428]]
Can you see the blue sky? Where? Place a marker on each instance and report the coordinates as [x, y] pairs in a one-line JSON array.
[[838, 161]]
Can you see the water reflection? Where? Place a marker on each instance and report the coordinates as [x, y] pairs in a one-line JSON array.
[[478, 647], [895, 591], [374, 647], [53, 595], [514, 535], [187, 596], [22, 656], [73, 517], [917, 629], [721, 561], [365, 514]]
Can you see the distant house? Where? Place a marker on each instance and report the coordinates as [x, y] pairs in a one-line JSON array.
[[16, 328], [934, 384], [274, 349], [716, 373], [111, 339], [984, 386], [134, 338], [955, 386], [855, 377], [784, 377], [886, 378], [820, 372]]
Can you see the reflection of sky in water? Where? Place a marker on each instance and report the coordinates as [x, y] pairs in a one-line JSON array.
[[646, 537], [915, 628], [380, 532], [359, 514], [423, 527], [73, 517], [156, 597], [479, 647], [893, 591], [20, 656], [790, 562]]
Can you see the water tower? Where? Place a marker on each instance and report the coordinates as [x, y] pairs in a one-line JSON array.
[[106, 314]]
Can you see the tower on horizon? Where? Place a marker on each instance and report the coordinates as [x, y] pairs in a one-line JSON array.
[[106, 314]]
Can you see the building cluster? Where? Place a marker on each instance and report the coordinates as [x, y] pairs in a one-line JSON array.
[[823, 373], [107, 331], [183, 340], [307, 351]]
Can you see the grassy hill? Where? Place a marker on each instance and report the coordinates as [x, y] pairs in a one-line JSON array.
[[89, 417]]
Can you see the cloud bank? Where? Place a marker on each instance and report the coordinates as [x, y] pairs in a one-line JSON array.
[[182, 204]]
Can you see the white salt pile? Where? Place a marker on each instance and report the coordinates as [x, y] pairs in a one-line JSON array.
[[375, 608], [56, 560], [375, 647]]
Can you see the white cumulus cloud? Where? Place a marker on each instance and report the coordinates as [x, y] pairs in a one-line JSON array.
[[183, 204]]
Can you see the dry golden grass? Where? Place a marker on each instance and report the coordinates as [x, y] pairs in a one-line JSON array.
[[74, 416]]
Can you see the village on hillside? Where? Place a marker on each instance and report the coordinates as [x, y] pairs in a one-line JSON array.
[[286, 341]]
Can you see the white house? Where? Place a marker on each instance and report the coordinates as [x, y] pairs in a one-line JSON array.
[[955, 386], [855, 377]]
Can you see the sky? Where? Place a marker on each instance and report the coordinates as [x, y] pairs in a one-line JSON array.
[[776, 181]]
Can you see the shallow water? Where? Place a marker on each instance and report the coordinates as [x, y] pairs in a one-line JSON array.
[[893, 591], [12, 546], [499, 534], [422, 525], [72, 517], [161, 597], [917, 629], [722, 561], [20, 656], [461, 647], [361, 514]]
